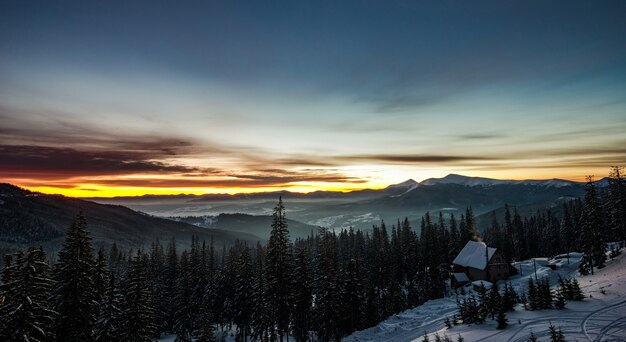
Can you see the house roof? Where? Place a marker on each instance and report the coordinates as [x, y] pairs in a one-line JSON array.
[[473, 255]]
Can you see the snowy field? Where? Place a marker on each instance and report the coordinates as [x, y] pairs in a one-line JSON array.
[[600, 317]]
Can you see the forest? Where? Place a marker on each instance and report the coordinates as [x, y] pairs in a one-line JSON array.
[[321, 288]]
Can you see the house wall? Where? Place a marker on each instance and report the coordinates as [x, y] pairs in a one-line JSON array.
[[498, 270]]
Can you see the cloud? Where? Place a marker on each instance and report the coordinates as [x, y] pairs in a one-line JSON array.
[[67, 162], [415, 158]]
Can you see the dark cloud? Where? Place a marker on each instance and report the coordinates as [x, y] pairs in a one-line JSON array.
[[48, 162]]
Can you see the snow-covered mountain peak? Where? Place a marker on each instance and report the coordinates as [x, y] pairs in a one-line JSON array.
[[481, 181], [407, 184]]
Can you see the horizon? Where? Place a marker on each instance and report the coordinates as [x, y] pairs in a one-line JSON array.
[[168, 194], [123, 99]]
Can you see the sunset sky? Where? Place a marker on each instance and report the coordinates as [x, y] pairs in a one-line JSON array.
[[105, 98]]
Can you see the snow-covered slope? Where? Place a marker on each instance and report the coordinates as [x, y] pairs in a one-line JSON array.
[[600, 317]]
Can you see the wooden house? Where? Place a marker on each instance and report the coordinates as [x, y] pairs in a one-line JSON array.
[[479, 262]]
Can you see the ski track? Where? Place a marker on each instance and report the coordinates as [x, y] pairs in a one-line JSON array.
[[603, 327]]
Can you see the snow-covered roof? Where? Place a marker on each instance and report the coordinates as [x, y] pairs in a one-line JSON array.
[[461, 277], [473, 255]]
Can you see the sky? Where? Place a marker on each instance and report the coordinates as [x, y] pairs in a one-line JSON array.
[[108, 98]]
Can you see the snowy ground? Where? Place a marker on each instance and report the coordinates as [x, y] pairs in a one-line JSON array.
[[600, 317]]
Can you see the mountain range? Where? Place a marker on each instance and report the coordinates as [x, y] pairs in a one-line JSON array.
[[450, 194]]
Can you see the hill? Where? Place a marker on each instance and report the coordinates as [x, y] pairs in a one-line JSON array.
[[28, 218]]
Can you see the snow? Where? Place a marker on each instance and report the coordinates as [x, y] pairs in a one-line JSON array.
[[600, 317], [473, 255]]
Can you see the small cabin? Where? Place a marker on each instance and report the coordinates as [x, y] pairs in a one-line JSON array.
[[479, 262]]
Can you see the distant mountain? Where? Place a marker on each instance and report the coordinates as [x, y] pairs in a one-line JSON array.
[[361, 209], [480, 181], [33, 218], [258, 225]]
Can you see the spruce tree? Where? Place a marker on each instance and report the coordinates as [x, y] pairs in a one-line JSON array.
[[260, 319], [502, 320], [278, 268], [183, 317], [243, 294], [616, 205], [109, 322], [593, 243], [559, 300], [468, 231], [74, 295], [26, 313], [302, 300], [138, 313], [170, 277], [556, 335]]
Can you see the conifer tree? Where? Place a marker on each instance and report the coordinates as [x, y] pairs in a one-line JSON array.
[[593, 245], [260, 320], [109, 322], [559, 300], [74, 295], [183, 316], [137, 312], [301, 314], [170, 277], [26, 313], [616, 205], [502, 320], [278, 268], [243, 294], [556, 335], [469, 232]]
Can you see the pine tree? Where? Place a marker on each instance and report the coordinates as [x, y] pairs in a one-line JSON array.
[[109, 323], [278, 270], [301, 314], [170, 277], [137, 312], [509, 297], [469, 232], [183, 316], [260, 319], [26, 313], [533, 302], [532, 337], [157, 275], [577, 293], [559, 300], [494, 302], [616, 204], [353, 297], [243, 294], [593, 244], [74, 295], [556, 335], [502, 320]]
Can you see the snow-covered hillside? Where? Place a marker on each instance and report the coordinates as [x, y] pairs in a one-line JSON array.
[[600, 317]]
